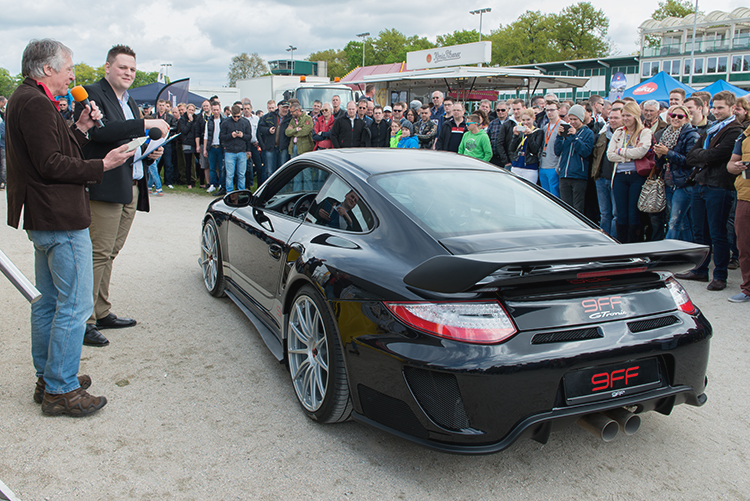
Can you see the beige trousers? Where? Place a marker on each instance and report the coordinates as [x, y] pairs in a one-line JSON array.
[[110, 225]]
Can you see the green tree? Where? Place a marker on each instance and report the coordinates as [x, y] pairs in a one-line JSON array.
[[8, 82], [458, 38], [335, 60], [145, 78], [580, 32], [528, 39], [86, 75], [673, 8], [246, 66]]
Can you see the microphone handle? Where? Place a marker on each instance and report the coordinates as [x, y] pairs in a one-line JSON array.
[[99, 123]]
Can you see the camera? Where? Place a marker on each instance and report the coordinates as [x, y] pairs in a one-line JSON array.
[[565, 128]]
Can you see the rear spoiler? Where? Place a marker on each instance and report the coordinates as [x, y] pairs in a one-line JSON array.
[[453, 274]]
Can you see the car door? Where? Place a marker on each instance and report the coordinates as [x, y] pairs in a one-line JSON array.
[[259, 236]]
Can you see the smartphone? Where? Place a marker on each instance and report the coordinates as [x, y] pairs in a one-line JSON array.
[[744, 172]]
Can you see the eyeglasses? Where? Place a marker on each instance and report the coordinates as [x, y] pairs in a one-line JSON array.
[[435, 97], [363, 107], [551, 109], [676, 115], [235, 116], [472, 123], [502, 109]]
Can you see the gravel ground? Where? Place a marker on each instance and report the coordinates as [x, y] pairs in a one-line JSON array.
[[199, 409]]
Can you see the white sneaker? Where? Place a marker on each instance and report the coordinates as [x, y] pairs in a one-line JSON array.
[[170, 186], [211, 189]]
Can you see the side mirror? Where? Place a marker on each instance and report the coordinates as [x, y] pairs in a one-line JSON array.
[[240, 198]]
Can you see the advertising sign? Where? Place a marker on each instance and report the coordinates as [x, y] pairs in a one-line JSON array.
[[455, 55]]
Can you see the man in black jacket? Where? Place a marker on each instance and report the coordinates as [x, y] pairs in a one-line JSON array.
[[236, 138], [380, 129], [273, 142], [453, 130], [711, 199], [123, 190], [349, 131]]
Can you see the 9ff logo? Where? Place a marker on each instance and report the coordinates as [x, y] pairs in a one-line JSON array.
[[606, 380], [603, 307]]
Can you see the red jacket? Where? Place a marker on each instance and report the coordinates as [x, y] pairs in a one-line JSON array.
[[322, 126]]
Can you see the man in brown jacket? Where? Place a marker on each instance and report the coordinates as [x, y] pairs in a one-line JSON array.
[[48, 179]]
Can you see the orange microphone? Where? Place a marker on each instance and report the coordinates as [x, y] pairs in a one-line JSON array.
[[81, 96]]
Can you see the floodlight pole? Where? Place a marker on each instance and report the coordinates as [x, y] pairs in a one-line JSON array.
[[692, 48], [481, 12], [291, 49], [363, 36]]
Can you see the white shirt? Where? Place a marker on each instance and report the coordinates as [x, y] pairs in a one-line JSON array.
[[137, 166], [253, 119]]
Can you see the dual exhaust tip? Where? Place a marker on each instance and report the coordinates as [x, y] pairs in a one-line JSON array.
[[606, 425]]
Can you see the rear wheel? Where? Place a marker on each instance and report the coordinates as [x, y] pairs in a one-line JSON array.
[[211, 264], [316, 362]]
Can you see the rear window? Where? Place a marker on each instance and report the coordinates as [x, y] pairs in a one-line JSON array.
[[464, 202]]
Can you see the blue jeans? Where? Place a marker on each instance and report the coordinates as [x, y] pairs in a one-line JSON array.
[[627, 189], [606, 206], [215, 157], [270, 163], [549, 180], [710, 207], [232, 162], [153, 175], [678, 201], [170, 173], [64, 275]]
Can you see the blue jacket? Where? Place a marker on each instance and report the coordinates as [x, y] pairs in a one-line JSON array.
[[678, 168], [574, 152], [408, 142]]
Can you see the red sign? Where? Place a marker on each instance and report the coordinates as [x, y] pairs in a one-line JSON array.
[[429, 58], [607, 380], [475, 95], [647, 88]]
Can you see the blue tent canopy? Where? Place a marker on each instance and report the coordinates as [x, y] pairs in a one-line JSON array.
[[657, 87], [721, 85], [146, 94]]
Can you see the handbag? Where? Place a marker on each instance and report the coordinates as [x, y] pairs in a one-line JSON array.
[[653, 196], [644, 166]]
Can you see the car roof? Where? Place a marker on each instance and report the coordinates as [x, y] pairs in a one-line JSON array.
[[371, 161]]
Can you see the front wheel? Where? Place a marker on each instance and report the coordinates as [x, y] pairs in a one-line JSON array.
[[211, 264], [316, 362]]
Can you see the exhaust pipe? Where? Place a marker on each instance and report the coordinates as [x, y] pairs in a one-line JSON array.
[[629, 422], [599, 425]]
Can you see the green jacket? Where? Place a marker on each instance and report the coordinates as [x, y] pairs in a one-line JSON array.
[[302, 129], [476, 145]]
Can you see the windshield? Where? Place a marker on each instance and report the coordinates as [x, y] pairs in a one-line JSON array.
[[464, 202], [307, 95]]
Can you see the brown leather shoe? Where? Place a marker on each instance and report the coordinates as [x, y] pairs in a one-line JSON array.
[[717, 285], [83, 380], [76, 403]]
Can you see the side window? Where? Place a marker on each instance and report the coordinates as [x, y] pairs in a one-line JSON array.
[[292, 196], [339, 206]]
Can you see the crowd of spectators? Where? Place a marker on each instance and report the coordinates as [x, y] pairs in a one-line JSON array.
[[585, 153]]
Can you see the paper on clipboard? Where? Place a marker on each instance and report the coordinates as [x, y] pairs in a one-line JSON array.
[[153, 145]]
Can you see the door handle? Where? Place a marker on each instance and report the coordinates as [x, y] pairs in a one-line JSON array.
[[275, 251]]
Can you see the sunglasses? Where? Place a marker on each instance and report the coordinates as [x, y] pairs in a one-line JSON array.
[[398, 111], [676, 115], [472, 123], [502, 109], [363, 107]]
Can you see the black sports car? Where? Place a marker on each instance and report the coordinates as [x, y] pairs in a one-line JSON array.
[[452, 303]]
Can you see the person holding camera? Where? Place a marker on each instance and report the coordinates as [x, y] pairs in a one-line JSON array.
[[525, 147], [574, 145]]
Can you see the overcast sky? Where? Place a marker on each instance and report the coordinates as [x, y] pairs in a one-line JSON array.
[[199, 37]]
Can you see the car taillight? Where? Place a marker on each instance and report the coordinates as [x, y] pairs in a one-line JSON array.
[[483, 322], [680, 296]]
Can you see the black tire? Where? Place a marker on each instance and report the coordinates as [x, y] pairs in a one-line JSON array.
[[316, 361], [211, 262]]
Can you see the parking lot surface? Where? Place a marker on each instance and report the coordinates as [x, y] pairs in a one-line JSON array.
[[199, 409]]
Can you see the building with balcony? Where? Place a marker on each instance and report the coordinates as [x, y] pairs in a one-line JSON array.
[[721, 49]]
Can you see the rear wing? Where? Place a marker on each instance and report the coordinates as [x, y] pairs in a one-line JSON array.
[[458, 273]]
